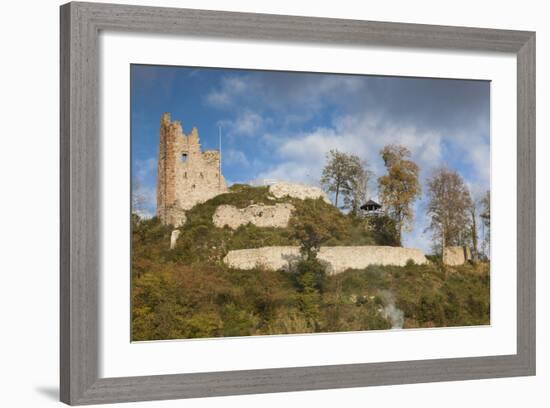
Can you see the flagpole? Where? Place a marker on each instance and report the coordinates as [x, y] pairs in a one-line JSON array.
[[220, 156]]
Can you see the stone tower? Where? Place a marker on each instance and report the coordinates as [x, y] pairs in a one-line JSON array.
[[186, 175]]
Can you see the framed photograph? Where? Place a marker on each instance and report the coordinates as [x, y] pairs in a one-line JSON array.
[[261, 203]]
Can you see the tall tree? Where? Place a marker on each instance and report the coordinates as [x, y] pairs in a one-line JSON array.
[[486, 220], [473, 230], [449, 208], [400, 187], [357, 193], [346, 175]]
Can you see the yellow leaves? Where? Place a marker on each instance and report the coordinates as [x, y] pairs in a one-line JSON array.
[[400, 187]]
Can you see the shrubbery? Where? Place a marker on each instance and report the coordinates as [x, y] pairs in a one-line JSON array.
[[173, 301], [384, 230], [187, 292]]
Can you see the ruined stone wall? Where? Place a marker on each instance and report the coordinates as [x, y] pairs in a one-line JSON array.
[[186, 175], [271, 258], [276, 216], [358, 257], [456, 255], [282, 189], [166, 172], [337, 259]]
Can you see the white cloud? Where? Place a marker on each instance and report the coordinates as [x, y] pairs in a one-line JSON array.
[[231, 86], [479, 157], [235, 84], [291, 171], [312, 93], [245, 124], [218, 98], [303, 156], [248, 123], [235, 157], [145, 168], [286, 93], [144, 196], [144, 200]]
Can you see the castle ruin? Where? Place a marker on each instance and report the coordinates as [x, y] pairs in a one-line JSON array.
[[186, 175]]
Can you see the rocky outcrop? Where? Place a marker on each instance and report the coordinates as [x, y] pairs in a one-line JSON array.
[[174, 238], [276, 216], [456, 255], [337, 259], [301, 191]]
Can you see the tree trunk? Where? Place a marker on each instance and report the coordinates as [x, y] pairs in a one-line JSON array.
[[474, 235], [399, 235], [398, 227]]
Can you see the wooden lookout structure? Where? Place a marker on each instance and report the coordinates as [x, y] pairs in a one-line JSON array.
[[372, 208]]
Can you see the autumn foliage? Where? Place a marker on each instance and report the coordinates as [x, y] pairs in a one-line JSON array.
[[189, 293]]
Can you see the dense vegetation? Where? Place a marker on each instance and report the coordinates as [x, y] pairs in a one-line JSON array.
[[187, 292]]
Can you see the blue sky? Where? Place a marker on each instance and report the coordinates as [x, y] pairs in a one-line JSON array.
[[280, 125]]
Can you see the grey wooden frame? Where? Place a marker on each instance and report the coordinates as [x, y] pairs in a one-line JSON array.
[[80, 190]]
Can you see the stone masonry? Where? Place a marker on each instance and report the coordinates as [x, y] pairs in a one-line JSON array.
[[271, 258], [276, 216], [283, 189], [337, 259], [358, 257], [186, 175], [456, 255]]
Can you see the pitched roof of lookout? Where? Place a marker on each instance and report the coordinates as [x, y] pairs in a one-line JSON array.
[[370, 204]]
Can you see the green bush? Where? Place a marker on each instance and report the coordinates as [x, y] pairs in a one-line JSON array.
[[310, 274], [384, 230]]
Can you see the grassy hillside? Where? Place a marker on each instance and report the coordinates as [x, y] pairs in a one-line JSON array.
[[188, 292], [175, 301]]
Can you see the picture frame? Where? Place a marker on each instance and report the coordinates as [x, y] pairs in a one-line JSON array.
[[80, 235]]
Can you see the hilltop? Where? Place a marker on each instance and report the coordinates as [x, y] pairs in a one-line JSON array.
[[201, 241]]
